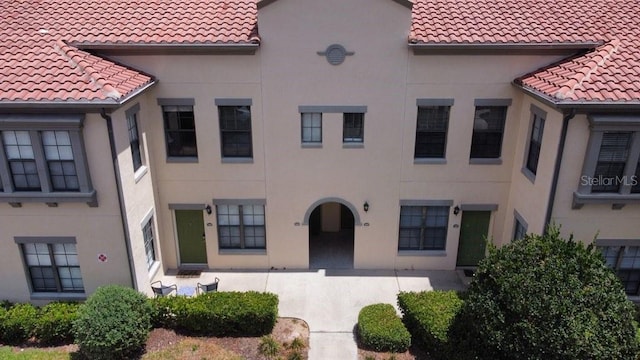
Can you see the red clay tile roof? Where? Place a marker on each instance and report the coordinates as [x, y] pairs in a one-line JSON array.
[[608, 73], [40, 42]]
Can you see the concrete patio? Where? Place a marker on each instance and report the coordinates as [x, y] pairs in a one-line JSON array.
[[328, 300]]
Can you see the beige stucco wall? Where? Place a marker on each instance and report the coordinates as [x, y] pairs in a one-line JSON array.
[[286, 72], [96, 229], [530, 197]]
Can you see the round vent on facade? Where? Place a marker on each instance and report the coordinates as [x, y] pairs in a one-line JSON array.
[[335, 54]]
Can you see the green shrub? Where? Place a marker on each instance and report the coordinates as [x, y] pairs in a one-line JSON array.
[[227, 313], [6, 304], [428, 316], [544, 297], [114, 323], [55, 322], [19, 322], [163, 310], [380, 329]]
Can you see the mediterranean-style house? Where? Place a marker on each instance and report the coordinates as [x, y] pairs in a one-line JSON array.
[[139, 136]]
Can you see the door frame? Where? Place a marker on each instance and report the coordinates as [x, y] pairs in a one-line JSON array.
[[476, 207], [173, 208]]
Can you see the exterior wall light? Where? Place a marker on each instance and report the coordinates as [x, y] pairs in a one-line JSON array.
[[456, 210], [365, 206], [208, 209]]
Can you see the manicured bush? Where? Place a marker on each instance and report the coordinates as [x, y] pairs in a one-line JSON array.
[[380, 329], [428, 316], [544, 297], [55, 322], [228, 313], [114, 323], [163, 310], [19, 322]]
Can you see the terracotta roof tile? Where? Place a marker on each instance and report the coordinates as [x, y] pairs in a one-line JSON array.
[[41, 41], [610, 72]]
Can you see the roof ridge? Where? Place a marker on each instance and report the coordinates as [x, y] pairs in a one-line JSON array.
[[597, 58], [72, 55]]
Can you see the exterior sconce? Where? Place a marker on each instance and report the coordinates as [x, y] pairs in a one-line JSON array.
[[456, 210], [365, 206], [208, 209]]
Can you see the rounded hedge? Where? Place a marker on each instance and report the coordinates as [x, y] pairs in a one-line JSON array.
[[543, 297], [55, 322], [380, 329], [113, 323]]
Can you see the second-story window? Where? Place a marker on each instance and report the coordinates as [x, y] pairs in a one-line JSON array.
[[353, 128], [180, 130], [488, 129]]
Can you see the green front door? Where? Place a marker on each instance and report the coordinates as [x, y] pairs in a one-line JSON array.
[[191, 240], [473, 234]]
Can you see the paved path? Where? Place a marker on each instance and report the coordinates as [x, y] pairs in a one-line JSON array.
[[330, 300]]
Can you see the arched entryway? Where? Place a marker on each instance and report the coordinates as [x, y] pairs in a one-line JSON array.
[[331, 233]]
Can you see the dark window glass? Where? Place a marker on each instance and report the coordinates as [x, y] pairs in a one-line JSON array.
[[353, 128], [134, 141], [241, 227], [520, 231], [423, 227], [149, 247], [59, 155], [535, 143], [612, 159], [635, 182], [235, 131], [180, 131], [22, 163], [431, 131], [488, 128], [53, 267], [625, 261]]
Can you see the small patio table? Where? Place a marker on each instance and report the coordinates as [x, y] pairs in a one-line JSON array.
[[186, 290]]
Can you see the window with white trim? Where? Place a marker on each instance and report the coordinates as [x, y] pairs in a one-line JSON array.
[[42, 157], [241, 226], [134, 137], [53, 267], [535, 142], [149, 246], [423, 227]]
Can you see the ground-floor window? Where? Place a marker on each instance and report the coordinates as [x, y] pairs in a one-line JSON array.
[[241, 227], [52, 267], [423, 227], [625, 260], [149, 247]]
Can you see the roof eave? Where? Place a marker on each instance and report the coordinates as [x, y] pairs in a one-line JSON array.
[[190, 48], [85, 105], [499, 48], [579, 105]]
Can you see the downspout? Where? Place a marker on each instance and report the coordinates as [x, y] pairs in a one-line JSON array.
[[123, 213], [556, 171]]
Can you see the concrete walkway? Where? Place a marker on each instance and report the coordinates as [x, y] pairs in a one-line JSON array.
[[329, 300]]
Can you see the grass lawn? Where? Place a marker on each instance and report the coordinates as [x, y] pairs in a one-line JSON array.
[[7, 353], [184, 350]]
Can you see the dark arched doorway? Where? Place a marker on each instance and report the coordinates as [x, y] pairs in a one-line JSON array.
[[331, 231]]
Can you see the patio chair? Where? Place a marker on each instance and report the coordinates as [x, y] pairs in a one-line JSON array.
[[163, 290], [205, 288]]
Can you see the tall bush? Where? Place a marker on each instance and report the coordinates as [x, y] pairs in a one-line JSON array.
[[544, 297], [114, 323]]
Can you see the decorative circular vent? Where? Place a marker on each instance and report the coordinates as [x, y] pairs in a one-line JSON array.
[[335, 54]]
